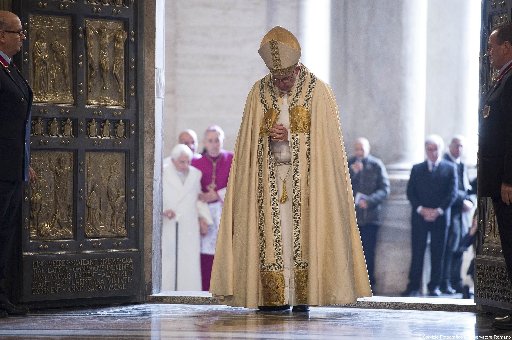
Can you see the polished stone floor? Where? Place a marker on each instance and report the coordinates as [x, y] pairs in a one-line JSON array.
[[181, 321]]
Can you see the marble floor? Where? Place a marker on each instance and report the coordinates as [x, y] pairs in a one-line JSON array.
[[185, 321]]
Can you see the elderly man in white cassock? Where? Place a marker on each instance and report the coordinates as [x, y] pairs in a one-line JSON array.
[[288, 233], [184, 214]]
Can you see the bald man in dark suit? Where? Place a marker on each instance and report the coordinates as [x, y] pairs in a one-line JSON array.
[[15, 105]]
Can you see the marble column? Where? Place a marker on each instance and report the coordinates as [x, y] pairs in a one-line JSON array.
[[156, 263], [378, 73], [150, 144], [452, 67], [316, 36]]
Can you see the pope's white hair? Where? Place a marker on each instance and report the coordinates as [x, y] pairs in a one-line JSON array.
[[181, 149]]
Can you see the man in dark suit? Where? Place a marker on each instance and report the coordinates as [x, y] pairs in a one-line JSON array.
[[495, 145], [459, 228], [370, 186], [431, 189], [15, 104]]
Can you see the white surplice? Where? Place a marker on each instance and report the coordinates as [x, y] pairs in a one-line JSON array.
[[180, 194]]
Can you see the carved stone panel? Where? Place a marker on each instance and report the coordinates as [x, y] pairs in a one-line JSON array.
[[50, 66], [105, 199], [51, 196], [105, 50]]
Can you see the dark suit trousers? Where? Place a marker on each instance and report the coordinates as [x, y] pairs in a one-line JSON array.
[[438, 232], [369, 238], [504, 218], [452, 261], [10, 224]]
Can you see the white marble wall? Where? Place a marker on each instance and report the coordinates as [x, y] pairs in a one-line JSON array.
[[212, 61]]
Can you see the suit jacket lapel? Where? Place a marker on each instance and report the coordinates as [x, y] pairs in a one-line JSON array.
[[425, 167], [495, 87], [18, 79]]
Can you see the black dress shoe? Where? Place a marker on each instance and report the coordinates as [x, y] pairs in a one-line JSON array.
[[467, 294], [448, 290], [3, 314], [273, 308], [434, 292], [300, 309], [503, 322], [11, 309]]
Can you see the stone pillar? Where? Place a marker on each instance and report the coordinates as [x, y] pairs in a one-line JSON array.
[[452, 67], [159, 57], [378, 74], [316, 36], [149, 138]]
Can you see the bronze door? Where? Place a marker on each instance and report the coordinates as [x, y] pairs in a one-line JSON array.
[[492, 286], [82, 233]]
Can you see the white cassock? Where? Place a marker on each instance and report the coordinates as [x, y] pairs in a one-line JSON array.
[[180, 194]]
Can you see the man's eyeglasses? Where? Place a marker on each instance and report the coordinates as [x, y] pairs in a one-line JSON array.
[[20, 32]]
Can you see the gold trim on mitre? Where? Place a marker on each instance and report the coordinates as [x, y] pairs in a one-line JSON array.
[[280, 50]]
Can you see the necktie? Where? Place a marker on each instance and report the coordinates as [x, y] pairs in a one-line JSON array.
[[431, 166]]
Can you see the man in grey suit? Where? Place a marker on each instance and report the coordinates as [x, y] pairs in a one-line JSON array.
[[370, 186]]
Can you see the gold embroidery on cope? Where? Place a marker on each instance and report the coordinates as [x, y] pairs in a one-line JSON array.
[[273, 288], [300, 119], [271, 273], [276, 58], [261, 206], [275, 212], [301, 286], [269, 119]]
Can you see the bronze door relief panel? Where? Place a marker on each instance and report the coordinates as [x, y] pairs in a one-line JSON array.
[[82, 235], [105, 40], [51, 196], [50, 60], [105, 196]]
